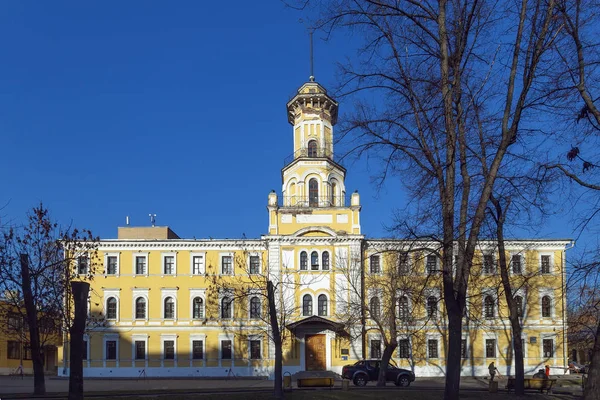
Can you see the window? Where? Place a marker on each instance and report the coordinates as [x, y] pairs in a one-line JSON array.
[[169, 308], [313, 193], [403, 308], [226, 307], [325, 261], [431, 264], [404, 348], [26, 351], [431, 307], [488, 264], [517, 267], [226, 265], [255, 350], [490, 348], [255, 307], [85, 349], [464, 353], [519, 304], [169, 350], [169, 265], [376, 348], [14, 322], [13, 351], [303, 261], [111, 349], [197, 349], [111, 308], [548, 348], [375, 307], [197, 308], [307, 305], [140, 350], [198, 265], [314, 261], [254, 265], [312, 148], [322, 305], [403, 267], [111, 265], [546, 307], [375, 266], [489, 307], [432, 348], [140, 265], [333, 200], [140, 308], [225, 349], [545, 267], [82, 265]]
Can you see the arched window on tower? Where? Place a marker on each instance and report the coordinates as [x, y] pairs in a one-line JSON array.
[[314, 261], [303, 261], [313, 193], [333, 199], [325, 261], [307, 305], [322, 303], [312, 148]]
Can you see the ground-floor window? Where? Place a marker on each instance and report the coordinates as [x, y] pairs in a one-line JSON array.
[[111, 349], [464, 351], [226, 349], [404, 348], [548, 347], [376, 348], [197, 349], [85, 350], [255, 349], [13, 350], [140, 350], [432, 348], [169, 349]]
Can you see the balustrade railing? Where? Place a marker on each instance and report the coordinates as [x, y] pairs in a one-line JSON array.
[[308, 153], [309, 201]]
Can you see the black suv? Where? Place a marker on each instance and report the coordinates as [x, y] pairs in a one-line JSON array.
[[368, 370]]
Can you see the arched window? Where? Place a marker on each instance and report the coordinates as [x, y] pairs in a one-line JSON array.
[[375, 307], [333, 194], [314, 261], [313, 193], [303, 261], [322, 303], [169, 308], [403, 308], [325, 261], [519, 304], [140, 308], [431, 307], [489, 306], [111, 308], [307, 305], [255, 307], [546, 307], [312, 148], [198, 308], [226, 307]]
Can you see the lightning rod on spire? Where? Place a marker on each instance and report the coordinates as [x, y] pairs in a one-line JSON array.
[[312, 72]]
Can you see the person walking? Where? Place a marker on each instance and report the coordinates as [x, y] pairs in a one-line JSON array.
[[547, 371], [493, 370]]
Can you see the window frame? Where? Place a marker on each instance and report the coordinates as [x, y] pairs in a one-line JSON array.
[[254, 262], [164, 257], [403, 313], [325, 260], [375, 304], [322, 305], [136, 349], [313, 192], [137, 298], [197, 268], [550, 258], [307, 306], [229, 307], [107, 340], [222, 349], [490, 343], [404, 348], [433, 341], [164, 354], [488, 266], [193, 349], [116, 257], [432, 312], [229, 257], [375, 344], [135, 264], [428, 264], [521, 263], [108, 306], [546, 310], [254, 307], [375, 264], [200, 315], [303, 260], [489, 306], [173, 312], [251, 349]]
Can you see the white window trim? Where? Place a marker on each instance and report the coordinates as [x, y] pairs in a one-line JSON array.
[[163, 339], [164, 293], [197, 293], [139, 338], [552, 269], [227, 254], [493, 336], [439, 343], [251, 338], [107, 338], [307, 260], [226, 293], [260, 260], [203, 264], [510, 265], [222, 337], [197, 336], [135, 294], [134, 257], [550, 293], [554, 338], [108, 293], [111, 254], [162, 263]]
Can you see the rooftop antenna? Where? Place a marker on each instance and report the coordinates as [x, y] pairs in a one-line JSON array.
[[312, 72], [152, 219], [127, 220]]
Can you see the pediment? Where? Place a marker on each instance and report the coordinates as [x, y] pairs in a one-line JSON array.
[[315, 231]]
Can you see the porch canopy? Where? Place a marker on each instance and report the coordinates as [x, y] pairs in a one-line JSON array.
[[320, 323]]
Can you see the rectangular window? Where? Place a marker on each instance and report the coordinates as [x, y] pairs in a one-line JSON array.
[[431, 264], [403, 266], [111, 349], [545, 264], [225, 349], [375, 265], [197, 350], [111, 265], [488, 264], [26, 351], [255, 350], [82, 265], [198, 265], [13, 351], [464, 353], [14, 322], [490, 348], [404, 348], [85, 349], [226, 265], [169, 265], [432, 348], [375, 348], [517, 267], [140, 350], [140, 265], [548, 348], [169, 349], [254, 265]]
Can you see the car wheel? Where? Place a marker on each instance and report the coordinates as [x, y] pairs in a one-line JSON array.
[[403, 381], [360, 380]]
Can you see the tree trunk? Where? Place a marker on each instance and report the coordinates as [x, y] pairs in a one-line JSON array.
[[518, 347], [592, 386], [453, 358], [80, 292], [388, 351], [278, 388], [39, 383]]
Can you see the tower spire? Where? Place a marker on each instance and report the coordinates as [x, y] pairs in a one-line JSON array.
[[312, 72]]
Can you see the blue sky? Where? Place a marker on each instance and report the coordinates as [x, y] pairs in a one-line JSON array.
[[115, 109]]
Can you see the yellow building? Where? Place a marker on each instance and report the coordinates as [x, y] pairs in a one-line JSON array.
[[188, 307]]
